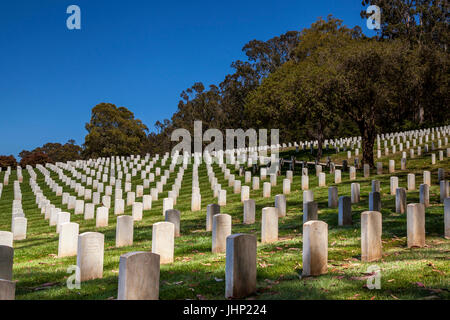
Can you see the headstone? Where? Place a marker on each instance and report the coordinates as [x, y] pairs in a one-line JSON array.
[[106, 201], [102, 217], [400, 200], [136, 211], [352, 173], [447, 218], [6, 238], [222, 199], [280, 204], [79, 207], [424, 194], [249, 211], [19, 228], [393, 185], [68, 239], [391, 166], [337, 176], [345, 211], [403, 163], [7, 290], [379, 168], [62, 217], [174, 216], [131, 198], [366, 170], [245, 193], [119, 206], [139, 276], [221, 229], [240, 266], [308, 195], [427, 177], [286, 186], [89, 211], [415, 218], [124, 231], [290, 175], [315, 248], [441, 174], [6, 262], [322, 179], [269, 225], [196, 202], [255, 183], [332, 197], [411, 181], [444, 190], [374, 201], [305, 182], [91, 246], [355, 192], [211, 210], [266, 189], [163, 234], [371, 229], [310, 211], [147, 202], [273, 179]]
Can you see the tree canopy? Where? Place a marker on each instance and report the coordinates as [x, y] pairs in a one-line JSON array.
[[57, 152], [322, 82], [329, 80], [8, 161], [113, 131]]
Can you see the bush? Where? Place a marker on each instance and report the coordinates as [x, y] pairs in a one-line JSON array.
[[34, 158], [8, 161]]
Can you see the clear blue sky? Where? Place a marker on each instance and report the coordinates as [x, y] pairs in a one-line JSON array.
[[137, 53]]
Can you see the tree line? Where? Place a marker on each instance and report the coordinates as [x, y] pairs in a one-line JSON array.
[[322, 82]]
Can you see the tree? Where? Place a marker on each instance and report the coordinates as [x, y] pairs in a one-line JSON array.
[[35, 158], [268, 56], [8, 161], [300, 96], [57, 152], [368, 73], [424, 24], [113, 131], [234, 90], [421, 22]]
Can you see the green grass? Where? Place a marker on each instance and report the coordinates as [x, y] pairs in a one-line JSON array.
[[419, 273]]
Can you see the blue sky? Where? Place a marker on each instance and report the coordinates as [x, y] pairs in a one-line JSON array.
[[137, 53]]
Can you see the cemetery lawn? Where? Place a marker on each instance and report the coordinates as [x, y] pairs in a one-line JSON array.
[[418, 273]]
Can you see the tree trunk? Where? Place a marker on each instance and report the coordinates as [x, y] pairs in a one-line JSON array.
[[319, 145], [368, 135], [421, 114]]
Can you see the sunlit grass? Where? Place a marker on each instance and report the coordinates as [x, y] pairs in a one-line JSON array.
[[198, 274]]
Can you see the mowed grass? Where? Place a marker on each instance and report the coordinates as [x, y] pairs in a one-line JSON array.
[[419, 273]]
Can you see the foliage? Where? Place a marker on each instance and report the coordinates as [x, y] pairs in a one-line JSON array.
[[421, 22], [57, 152], [34, 158], [339, 74], [8, 161], [113, 131], [302, 94]]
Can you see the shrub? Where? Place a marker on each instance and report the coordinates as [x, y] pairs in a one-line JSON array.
[[8, 161]]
